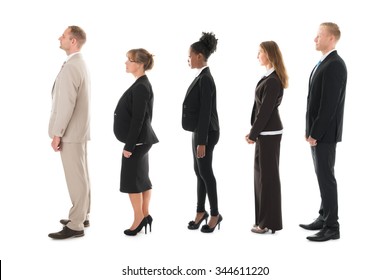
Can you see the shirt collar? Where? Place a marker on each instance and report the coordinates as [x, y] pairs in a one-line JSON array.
[[71, 55], [325, 55], [269, 72]]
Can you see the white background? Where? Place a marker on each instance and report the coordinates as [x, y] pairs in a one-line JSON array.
[[33, 194]]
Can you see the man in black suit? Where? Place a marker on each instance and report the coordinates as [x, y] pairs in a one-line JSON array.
[[324, 126]]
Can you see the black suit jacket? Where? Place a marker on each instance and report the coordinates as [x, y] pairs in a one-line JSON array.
[[133, 115], [200, 107], [265, 113], [325, 101]]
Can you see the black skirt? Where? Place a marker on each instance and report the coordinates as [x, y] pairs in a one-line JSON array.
[[135, 171]]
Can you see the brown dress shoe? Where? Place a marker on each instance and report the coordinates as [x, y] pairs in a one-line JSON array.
[[66, 233], [65, 222]]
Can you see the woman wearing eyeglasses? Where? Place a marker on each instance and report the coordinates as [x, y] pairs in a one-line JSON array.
[[132, 126]]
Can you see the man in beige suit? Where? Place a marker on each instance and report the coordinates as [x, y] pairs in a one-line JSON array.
[[69, 129]]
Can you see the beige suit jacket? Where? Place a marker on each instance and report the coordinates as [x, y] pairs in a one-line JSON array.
[[71, 94]]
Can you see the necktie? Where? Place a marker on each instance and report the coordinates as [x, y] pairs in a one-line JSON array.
[[318, 64], [315, 68], [58, 74]]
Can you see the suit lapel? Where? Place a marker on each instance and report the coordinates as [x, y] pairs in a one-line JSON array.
[[316, 69], [192, 85], [204, 71]]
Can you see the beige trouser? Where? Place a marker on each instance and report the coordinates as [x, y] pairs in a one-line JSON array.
[[74, 161]]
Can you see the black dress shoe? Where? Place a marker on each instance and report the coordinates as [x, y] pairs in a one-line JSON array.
[[325, 234], [66, 233], [65, 222], [316, 225]]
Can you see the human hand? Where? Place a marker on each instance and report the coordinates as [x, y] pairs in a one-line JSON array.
[[127, 154], [249, 140], [56, 144], [201, 151], [312, 141]]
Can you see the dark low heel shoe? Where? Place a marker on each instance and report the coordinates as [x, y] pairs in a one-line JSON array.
[[193, 225], [66, 233], [316, 225], [325, 234]]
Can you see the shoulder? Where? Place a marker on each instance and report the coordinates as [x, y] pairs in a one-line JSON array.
[[335, 65], [205, 76], [76, 59], [75, 63], [334, 58], [273, 79], [141, 86]]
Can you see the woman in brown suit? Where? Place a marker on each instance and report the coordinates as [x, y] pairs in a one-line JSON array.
[[266, 132]]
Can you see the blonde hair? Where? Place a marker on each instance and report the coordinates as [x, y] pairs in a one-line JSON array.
[[333, 29], [141, 56]]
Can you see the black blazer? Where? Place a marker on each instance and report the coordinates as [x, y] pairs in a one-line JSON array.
[[265, 113], [200, 107], [325, 101], [133, 115]]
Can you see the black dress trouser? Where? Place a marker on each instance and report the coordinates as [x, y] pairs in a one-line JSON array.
[[324, 158], [206, 183]]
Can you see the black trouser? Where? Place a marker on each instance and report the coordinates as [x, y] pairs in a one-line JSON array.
[[205, 176], [324, 158], [268, 200]]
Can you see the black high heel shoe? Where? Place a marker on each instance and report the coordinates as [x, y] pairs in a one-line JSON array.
[[193, 225], [208, 229], [149, 220], [142, 224]]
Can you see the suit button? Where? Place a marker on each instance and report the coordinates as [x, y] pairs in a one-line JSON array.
[[184, 106], [184, 115]]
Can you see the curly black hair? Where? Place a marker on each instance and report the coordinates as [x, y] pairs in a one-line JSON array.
[[206, 45]]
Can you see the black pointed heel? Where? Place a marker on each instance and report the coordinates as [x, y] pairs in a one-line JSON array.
[[149, 220], [208, 229], [193, 225], [142, 224]]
